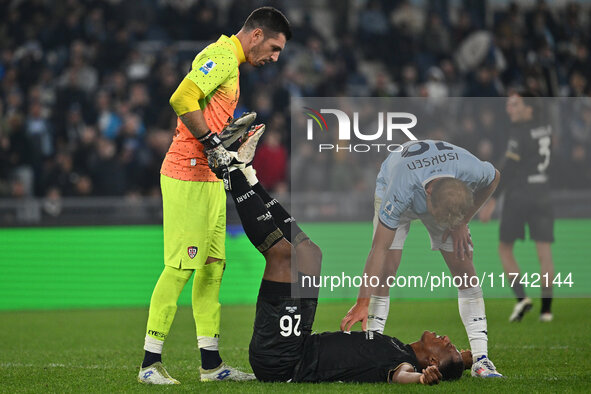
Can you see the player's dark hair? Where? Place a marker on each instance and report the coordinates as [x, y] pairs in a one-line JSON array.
[[531, 99], [452, 369], [270, 19]]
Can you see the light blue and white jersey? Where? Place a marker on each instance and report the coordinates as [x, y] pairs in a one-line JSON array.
[[403, 176]]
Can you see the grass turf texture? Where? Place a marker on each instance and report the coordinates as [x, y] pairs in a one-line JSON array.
[[100, 350]]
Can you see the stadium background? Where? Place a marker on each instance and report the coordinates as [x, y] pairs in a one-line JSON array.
[[85, 120], [85, 123]]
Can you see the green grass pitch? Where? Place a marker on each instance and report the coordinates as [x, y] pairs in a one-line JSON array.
[[107, 275], [100, 350]]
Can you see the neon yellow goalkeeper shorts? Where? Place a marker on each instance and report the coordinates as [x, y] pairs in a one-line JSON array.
[[194, 222]]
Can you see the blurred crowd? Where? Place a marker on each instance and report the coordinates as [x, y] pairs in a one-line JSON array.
[[85, 85]]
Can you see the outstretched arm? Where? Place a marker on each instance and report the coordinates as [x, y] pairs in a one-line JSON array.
[[406, 374], [374, 266]]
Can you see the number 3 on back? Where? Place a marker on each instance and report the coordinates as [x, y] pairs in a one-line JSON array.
[[544, 151]]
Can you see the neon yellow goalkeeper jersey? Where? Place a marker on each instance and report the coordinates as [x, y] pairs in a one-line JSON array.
[[215, 72]]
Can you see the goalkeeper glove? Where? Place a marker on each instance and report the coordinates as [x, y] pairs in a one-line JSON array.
[[218, 158]]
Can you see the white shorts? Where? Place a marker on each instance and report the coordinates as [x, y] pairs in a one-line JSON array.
[[435, 230]]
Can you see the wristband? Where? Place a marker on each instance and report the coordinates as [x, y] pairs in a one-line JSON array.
[[210, 140]]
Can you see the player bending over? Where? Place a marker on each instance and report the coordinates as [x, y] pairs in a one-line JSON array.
[[443, 185], [283, 347]]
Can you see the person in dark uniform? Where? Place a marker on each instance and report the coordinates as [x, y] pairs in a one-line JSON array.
[[527, 199], [283, 347]]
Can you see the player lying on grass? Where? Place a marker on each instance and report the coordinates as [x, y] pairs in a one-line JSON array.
[[283, 347]]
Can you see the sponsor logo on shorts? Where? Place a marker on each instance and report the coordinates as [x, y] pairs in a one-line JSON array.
[[291, 309], [192, 251], [207, 67]]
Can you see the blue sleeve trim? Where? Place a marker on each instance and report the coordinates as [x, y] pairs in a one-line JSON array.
[[385, 225]]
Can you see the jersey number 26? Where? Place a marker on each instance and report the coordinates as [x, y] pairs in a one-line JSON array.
[[290, 324]]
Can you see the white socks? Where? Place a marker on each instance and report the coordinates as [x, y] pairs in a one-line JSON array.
[[378, 313], [471, 306], [208, 343], [250, 174], [153, 345]]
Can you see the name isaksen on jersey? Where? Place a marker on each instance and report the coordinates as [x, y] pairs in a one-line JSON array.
[[432, 160]]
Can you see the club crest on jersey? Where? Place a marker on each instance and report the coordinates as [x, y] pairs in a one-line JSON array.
[[291, 309], [192, 251], [207, 67]]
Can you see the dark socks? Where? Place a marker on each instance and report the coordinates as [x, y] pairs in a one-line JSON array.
[[546, 299], [546, 305], [283, 219], [518, 290], [151, 358], [256, 220], [210, 359]]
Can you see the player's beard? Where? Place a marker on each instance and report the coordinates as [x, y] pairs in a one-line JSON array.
[[256, 52]]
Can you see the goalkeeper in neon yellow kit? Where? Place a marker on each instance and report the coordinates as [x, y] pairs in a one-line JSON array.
[[194, 200]]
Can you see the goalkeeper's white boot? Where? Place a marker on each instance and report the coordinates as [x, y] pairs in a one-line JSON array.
[[520, 309], [246, 151], [225, 373], [155, 374], [236, 129], [484, 368]]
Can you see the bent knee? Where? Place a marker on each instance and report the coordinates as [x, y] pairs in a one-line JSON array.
[[280, 251]]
